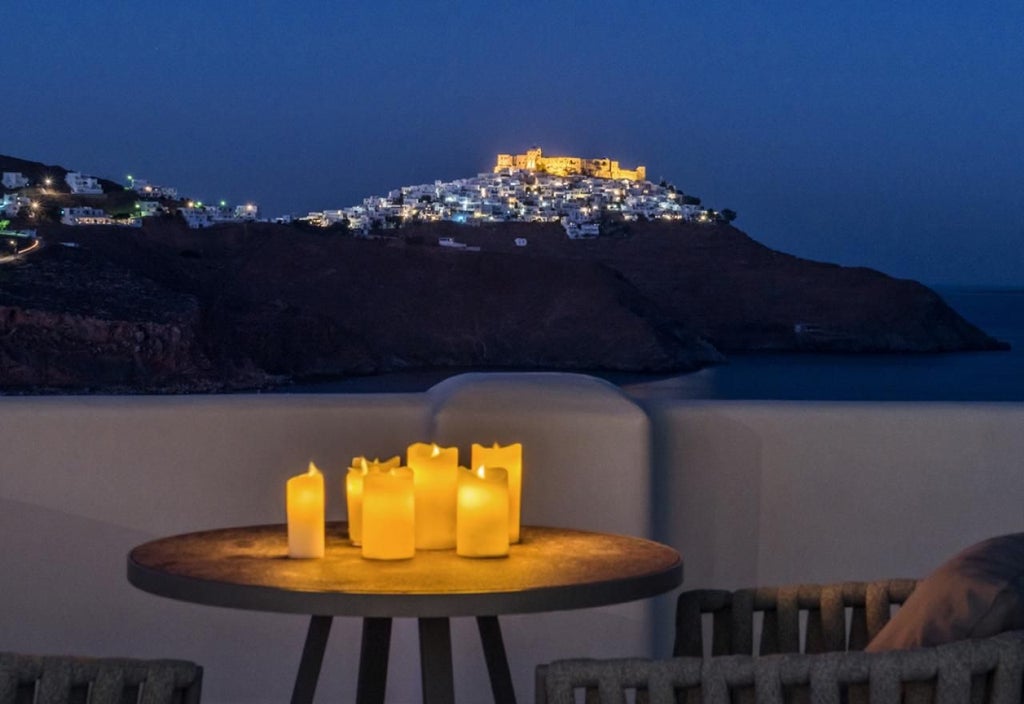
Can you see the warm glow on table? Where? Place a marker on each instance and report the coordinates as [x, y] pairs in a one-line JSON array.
[[482, 513], [435, 475], [354, 492], [551, 569], [510, 458], [389, 512], [305, 508]]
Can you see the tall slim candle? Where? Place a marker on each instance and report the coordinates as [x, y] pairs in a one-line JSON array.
[[389, 514], [510, 458], [435, 475], [305, 508]]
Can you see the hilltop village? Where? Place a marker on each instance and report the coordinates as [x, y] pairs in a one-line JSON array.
[[79, 199], [579, 193]]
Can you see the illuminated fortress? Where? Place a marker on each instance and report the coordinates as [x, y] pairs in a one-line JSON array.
[[534, 160]]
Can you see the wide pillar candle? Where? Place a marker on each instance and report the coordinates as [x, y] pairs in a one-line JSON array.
[[389, 514], [483, 513], [354, 493], [435, 475], [510, 457], [305, 508]]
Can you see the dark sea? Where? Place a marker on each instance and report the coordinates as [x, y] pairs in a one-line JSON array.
[[960, 376]]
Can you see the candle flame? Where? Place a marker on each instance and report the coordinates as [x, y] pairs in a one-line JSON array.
[[481, 471], [435, 451], [312, 469]]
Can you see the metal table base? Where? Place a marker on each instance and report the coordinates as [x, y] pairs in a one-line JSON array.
[[437, 676]]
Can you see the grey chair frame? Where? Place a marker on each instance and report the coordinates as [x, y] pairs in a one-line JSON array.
[[64, 679], [799, 643]]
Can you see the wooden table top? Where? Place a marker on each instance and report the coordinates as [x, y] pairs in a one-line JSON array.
[[551, 569]]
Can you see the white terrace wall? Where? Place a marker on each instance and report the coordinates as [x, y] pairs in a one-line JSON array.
[[768, 493], [749, 492], [84, 479]]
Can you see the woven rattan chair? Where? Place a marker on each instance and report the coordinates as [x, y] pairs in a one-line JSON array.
[[795, 644], [58, 679]]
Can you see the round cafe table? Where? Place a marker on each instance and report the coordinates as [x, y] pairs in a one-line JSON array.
[[551, 569]]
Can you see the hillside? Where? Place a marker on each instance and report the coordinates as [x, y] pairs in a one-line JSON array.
[[36, 172], [743, 296], [167, 309]]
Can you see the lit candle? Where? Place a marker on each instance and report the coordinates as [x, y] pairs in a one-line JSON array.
[[305, 507], [354, 492], [436, 476], [510, 458], [389, 514], [483, 513]]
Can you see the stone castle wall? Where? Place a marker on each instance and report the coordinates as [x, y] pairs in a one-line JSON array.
[[534, 160]]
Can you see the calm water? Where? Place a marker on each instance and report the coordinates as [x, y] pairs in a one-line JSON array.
[[965, 376]]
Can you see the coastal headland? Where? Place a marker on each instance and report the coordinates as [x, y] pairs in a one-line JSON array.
[[165, 309]]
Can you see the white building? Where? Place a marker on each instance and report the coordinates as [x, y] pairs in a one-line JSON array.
[[14, 179], [148, 208], [81, 184], [11, 205], [249, 211], [197, 218], [580, 230], [84, 215], [145, 188]]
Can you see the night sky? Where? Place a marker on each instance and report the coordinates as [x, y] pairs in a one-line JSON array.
[[879, 133]]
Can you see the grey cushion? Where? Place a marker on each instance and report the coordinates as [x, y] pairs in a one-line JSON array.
[[977, 593]]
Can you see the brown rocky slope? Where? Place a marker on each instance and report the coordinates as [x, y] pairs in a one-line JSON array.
[[166, 309], [743, 296]]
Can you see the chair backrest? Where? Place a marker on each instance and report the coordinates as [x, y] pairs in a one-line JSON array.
[[60, 679], [987, 670], [810, 618]]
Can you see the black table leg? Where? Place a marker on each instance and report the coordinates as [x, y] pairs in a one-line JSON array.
[[373, 661], [436, 661], [312, 659], [497, 661]]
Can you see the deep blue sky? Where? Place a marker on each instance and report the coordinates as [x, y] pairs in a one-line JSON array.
[[879, 133]]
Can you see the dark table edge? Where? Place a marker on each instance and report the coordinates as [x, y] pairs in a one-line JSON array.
[[258, 598], [255, 598]]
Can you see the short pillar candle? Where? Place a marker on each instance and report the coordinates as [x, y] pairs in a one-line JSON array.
[[510, 457], [305, 509], [389, 514], [483, 513], [435, 475], [354, 493]]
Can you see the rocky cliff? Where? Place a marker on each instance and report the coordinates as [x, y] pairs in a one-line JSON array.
[[166, 309], [743, 296]]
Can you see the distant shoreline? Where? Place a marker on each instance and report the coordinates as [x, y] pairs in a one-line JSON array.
[[963, 377]]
